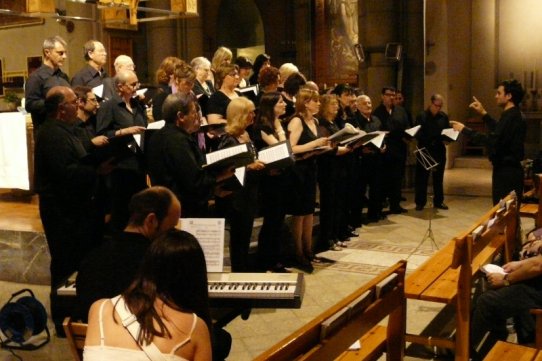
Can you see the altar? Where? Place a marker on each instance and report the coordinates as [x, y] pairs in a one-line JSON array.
[[16, 151]]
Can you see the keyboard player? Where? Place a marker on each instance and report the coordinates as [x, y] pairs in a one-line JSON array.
[[109, 269]]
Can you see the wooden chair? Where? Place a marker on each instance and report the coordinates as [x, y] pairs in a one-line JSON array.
[[533, 210], [75, 333], [506, 351]]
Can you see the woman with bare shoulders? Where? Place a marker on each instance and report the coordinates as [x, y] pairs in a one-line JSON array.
[[306, 142], [169, 300]]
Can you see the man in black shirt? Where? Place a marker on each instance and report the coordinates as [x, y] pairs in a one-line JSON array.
[[432, 121], [505, 140], [44, 78], [65, 184], [174, 159], [394, 120], [109, 269], [93, 73]]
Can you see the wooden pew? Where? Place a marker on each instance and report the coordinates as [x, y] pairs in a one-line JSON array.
[[330, 334], [533, 210], [506, 351], [447, 276]]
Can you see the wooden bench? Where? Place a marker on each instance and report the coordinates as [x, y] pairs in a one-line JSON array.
[[506, 351], [533, 210], [447, 277], [76, 333], [356, 317]]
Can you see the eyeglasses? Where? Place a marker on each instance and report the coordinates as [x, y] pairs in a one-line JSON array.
[[134, 85], [389, 94], [233, 74], [93, 100]]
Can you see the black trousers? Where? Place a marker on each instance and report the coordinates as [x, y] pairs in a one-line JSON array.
[[422, 178], [394, 171], [505, 179], [68, 230]]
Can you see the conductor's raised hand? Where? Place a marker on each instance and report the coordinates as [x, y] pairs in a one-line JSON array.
[[477, 106]]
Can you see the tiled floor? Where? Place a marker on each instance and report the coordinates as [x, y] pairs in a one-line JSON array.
[[380, 245]]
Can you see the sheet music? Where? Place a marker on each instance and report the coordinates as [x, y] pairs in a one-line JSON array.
[[98, 90], [378, 140], [225, 153], [210, 235], [159, 124], [450, 133], [253, 88], [348, 129], [272, 154], [413, 131], [137, 138], [240, 174], [141, 92]]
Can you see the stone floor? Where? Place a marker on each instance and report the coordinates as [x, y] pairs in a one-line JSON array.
[[467, 195]]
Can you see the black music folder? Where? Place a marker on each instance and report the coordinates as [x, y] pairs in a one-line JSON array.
[[277, 156], [118, 149], [236, 156]]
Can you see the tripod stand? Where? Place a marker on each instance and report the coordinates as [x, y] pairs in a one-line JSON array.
[[429, 164]]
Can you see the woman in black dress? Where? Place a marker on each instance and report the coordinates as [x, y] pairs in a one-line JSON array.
[[227, 79], [305, 138], [267, 130], [239, 207]]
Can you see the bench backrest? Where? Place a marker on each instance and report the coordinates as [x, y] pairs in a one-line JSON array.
[[493, 234], [332, 332]]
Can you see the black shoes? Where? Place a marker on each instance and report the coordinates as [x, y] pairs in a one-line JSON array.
[[441, 206], [398, 210]]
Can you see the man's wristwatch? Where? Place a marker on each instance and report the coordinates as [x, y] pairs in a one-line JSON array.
[[505, 280]]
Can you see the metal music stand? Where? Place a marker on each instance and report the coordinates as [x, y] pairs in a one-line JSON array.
[[429, 163]]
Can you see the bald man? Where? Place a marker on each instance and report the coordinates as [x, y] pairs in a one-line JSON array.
[[123, 116], [122, 62], [65, 184]]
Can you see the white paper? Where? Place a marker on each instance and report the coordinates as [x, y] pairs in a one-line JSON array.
[[240, 175], [210, 234], [348, 129], [225, 153], [378, 140], [273, 154], [412, 131], [159, 124], [492, 268], [253, 89], [98, 90], [450, 133], [355, 346], [137, 138], [141, 92]]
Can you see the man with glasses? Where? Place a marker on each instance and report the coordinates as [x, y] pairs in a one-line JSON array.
[[65, 184], [394, 120], [47, 76], [124, 116], [93, 73], [432, 120]]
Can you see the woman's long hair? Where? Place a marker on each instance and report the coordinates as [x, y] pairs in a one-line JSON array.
[[266, 111], [237, 115], [174, 271]]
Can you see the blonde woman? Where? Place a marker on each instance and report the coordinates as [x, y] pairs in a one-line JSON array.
[[222, 56], [304, 138], [239, 208]]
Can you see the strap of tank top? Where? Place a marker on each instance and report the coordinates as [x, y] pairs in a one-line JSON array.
[[102, 335], [129, 321], [186, 340]]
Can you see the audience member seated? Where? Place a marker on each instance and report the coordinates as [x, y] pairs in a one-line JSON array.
[[169, 300], [512, 296]]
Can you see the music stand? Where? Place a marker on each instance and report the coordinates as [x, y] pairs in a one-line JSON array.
[[428, 163]]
